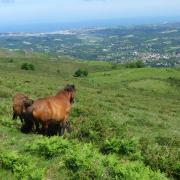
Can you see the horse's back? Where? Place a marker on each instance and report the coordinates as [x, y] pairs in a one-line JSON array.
[[50, 108], [19, 97]]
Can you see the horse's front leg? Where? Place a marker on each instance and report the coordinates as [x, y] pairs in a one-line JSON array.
[[14, 116]]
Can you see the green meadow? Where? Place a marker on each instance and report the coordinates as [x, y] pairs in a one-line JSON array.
[[125, 121]]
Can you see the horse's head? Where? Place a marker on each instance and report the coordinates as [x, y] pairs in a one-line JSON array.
[[70, 89], [27, 103]]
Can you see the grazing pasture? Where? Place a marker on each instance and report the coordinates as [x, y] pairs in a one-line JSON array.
[[125, 122]]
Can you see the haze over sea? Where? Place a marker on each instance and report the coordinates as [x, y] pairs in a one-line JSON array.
[[52, 15]]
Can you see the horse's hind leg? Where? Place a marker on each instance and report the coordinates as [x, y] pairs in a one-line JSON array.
[[27, 126], [21, 118], [44, 128], [68, 127], [36, 122], [62, 127], [14, 116]]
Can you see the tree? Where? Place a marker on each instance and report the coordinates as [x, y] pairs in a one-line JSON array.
[[80, 73], [135, 64], [26, 66]]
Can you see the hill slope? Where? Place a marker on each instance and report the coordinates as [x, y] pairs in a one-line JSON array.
[[125, 122]]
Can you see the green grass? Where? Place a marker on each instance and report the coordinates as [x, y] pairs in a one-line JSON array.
[[121, 104]]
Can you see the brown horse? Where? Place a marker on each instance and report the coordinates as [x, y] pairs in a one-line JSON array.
[[53, 109], [20, 103]]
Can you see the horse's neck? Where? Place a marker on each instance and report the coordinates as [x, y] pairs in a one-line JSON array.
[[62, 94]]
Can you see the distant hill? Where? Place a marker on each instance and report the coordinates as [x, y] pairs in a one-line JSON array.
[[156, 45]]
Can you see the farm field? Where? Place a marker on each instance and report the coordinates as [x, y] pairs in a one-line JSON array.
[[125, 121]]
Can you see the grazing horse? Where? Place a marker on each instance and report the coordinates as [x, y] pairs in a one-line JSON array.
[[20, 103], [53, 109]]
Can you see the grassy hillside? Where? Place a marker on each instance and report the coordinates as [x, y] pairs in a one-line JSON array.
[[125, 121]]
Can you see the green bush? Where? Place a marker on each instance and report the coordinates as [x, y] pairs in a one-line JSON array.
[[26, 66], [156, 156], [81, 73], [110, 146], [135, 64], [135, 170], [48, 147], [21, 166], [11, 60], [36, 174], [174, 81], [161, 157], [85, 72], [124, 146], [94, 130], [31, 67], [84, 162], [17, 164]]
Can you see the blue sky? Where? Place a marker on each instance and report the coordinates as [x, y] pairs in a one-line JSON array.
[[21, 11], [77, 10]]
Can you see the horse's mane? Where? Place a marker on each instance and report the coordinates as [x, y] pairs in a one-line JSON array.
[[68, 88], [61, 91]]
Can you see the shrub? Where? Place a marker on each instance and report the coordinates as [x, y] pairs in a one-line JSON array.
[[140, 64], [21, 166], [161, 157], [120, 146], [84, 162], [110, 146], [48, 147], [77, 73], [135, 170], [31, 67], [167, 141], [26, 66], [95, 130], [174, 81], [36, 174], [81, 73], [11, 60], [135, 64], [85, 73], [12, 161], [128, 146]]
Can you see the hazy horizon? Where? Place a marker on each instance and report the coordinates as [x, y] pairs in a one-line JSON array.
[[33, 15]]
